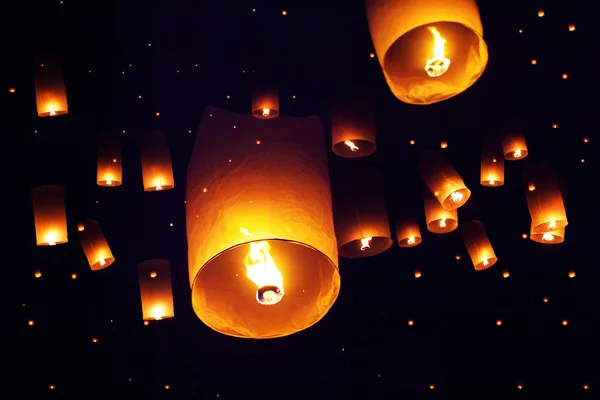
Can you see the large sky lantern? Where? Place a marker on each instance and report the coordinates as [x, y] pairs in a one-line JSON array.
[[353, 125], [544, 199], [478, 245], [438, 219], [157, 171], [492, 163], [408, 233], [265, 101], [94, 245], [50, 92], [263, 259], [551, 237], [110, 165], [155, 289], [430, 50], [514, 145], [50, 215], [443, 180]]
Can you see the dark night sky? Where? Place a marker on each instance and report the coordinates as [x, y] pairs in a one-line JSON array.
[[364, 348]]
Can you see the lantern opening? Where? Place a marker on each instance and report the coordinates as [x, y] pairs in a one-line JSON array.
[[439, 64], [354, 148]]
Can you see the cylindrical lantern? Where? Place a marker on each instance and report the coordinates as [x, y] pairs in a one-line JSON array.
[[429, 50], [110, 167], [514, 146], [443, 180], [265, 102], [438, 219], [478, 245], [492, 164], [545, 201], [94, 245], [360, 215], [156, 290], [262, 255], [50, 92], [50, 215], [408, 233], [157, 171], [551, 237], [353, 127]]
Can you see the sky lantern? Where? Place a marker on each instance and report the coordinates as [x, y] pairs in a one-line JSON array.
[[438, 219], [551, 237], [492, 163], [155, 289], [265, 102], [443, 180], [408, 233], [429, 51], [262, 252], [110, 167], [478, 245], [94, 245], [50, 215], [50, 92], [545, 201], [353, 125], [157, 171], [514, 146]]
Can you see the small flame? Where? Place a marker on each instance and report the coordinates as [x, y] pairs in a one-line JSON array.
[[456, 196], [443, 223], [51, 111], [262, 270], [109, 182], [485, 262], [158, 312], [266, 112], [411, 240], [517, 153], [548, 237], [102, 262], [439, 64], [552, 225], [351, 144], [365, 243], [157, 185], [51, 239], [492, 183]]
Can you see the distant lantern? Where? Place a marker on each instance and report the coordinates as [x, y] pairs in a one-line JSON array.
[[50, 215], [551, 237], [545, 203], [265, 102], [263, 259], [361, 220], [110, 166], [478, 245], [438, 219], [408, 233], [50, 92], [492, 163], [514, 146], [94, 245], [157, 170], [430, 50], [443, 180], [155, 289], [353, 127]]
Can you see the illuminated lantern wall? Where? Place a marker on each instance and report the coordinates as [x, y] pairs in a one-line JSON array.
[[157, 171], [361, 219], [94, 245], [353, 125], [408, 233], [405, 33], [551, 237], [545, 202], [438, 219], [263, 259], [50, 215], [50, 92], [265, 102], [443, 180], [110, 166], [492, 164], [514, 146], [478, 245], [155, 289]]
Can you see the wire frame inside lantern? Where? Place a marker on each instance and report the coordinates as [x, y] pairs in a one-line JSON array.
[[50, 215], [443, 180], [94, 245]]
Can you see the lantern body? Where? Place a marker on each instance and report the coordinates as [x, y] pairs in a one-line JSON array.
[[400, 30], [353, 127], [545, 202], [478, 245], [360, 213], [157, 171], [262, 182], [265, 103], [408, 233], [94, 245], [551, 237], [514, 146], [492, 164], [50, 215], [443, 180], [438, 219], [155, 289], [110, 167], [50, 92]]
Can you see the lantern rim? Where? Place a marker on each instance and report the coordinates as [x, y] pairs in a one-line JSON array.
[[491, 261], [434, 226], [56, 114], [510, 156], [378, 244], [47, 244], [113, 183], [404, 242], [153, 188], [486, 183], [107, 262], [544, 228], [258, 113], [365, 149], [449, 205]]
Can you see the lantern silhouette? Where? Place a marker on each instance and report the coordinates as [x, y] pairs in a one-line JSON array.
[[429, 51], [262, 251], [478, 245], [443, 180], [50, 215], [155, 289], [545, 202], [551, 237], [94, 245], [157, 171], [438, 219], [408, 233], [265, 102], [514, 145], [492, 164], [360, 214], [50, 92], [353, 127], [110, 167]]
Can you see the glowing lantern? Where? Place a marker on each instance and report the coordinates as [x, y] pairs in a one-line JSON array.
[[438, 219], [408, 233], [109, 171], [94, 245], [157, 171], [551, 237], [265, 103], [442, 180], [492, 164], [353, 127], [478, 245], [50, 215], [430, 50], [545, 203], [514, 146], [155, 289], [263, 257], [50, 93]]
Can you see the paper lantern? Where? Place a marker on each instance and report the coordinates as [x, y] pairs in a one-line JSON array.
[[514, 146], [50, 215], [157, 171], [155, 289], [478, 245], [50, 92], [408, 233], [265, 103], [429, 50], [360, 214], [438, 219], [94, 245], [110, 168], [353, 127], [262, 251], [545, 202], [551, 237], [442, 180], [492, 164]]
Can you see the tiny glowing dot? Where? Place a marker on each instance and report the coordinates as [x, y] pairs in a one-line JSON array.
[[235, 126], [545, 300], [89, 71], [565, 322], [293, 96], [12, 90], [499, 322], [431, 387], [189, 131], [122, 72], [171, 224], [95, 340], [254, 10], [228, 96], [146, 323], [205, 190], [443, 144], [533, 61], [30, 322], [541, 13], [555, 126], [167, 387], [258, 142], [210, 115], [131, 65], [372, 55], [149, 44], [586, 140], [412, 141], [283, 12], [571, 27], [139, 96], [124, 131], [524, 236], [158, 114], [586, 387], [565, 76], [73, 276], [177, 71], [411, 322], [583, 160], [520, 30], [52, 387], [457, 257], [519, 387]]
